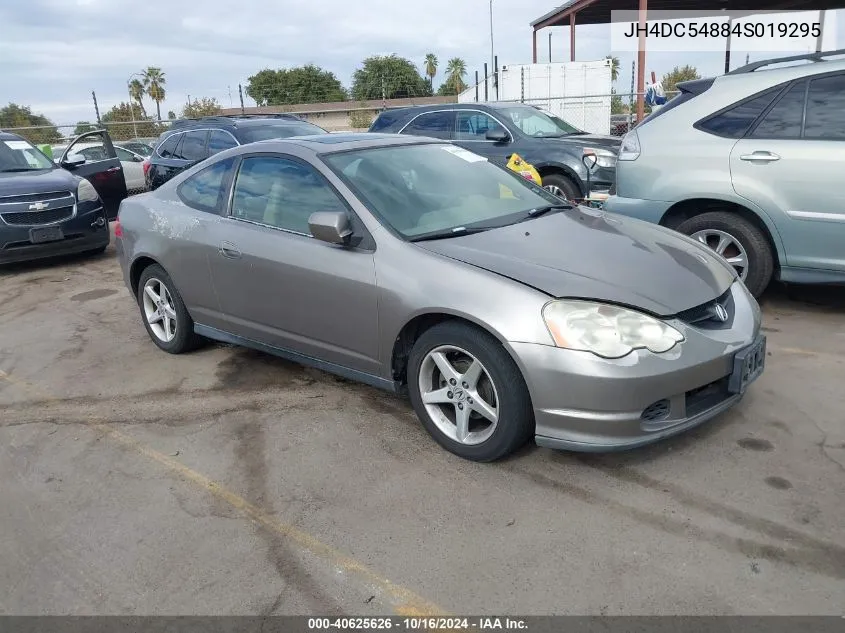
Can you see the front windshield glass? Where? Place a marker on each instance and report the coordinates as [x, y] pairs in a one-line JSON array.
[[255, 133], [433, 188], [21, 155], [534, 122]]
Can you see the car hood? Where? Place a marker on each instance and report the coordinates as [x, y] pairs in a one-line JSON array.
[[593, 255], [597, 141], [19, 183]]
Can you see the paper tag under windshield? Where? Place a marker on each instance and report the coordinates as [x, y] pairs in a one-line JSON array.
[[468, 156]]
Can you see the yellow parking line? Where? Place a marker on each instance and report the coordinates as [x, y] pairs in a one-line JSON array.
[[407, 602]]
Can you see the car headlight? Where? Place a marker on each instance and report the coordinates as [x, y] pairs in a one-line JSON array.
[[86, 192], [604, 158], [606, 330], [630, 148]]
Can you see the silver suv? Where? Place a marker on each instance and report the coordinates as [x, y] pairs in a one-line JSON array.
[[749, 163]]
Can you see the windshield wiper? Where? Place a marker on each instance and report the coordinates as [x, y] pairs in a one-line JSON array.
[[456, 232], [537, 212]]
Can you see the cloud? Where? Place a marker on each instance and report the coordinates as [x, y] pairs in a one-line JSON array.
[[55, 52]]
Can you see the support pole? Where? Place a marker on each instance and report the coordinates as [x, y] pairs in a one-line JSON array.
[[534, 45], [641, 61], [572, 37]]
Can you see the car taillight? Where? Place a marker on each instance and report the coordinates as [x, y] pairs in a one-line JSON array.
[[146, 165], [118, 230]]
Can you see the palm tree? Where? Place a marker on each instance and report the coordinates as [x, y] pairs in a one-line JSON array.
[[154, 85], [431, 68], [455, 71], [137, 92], [614, 67]]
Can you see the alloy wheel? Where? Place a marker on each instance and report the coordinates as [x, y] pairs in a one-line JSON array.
[[727, 246], [459, 395], [159, 310], [556, 191]]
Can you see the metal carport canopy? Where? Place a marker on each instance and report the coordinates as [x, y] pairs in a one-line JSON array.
[[599, 12]]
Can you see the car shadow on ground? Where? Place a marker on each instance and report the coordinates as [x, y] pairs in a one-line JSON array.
[[814, 298]]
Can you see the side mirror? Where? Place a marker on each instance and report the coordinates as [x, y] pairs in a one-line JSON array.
[[330, 226], [73, 160], [497, 135]]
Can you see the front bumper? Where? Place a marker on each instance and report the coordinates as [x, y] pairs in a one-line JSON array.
[[87, 230], [586, 403], [647, 210]]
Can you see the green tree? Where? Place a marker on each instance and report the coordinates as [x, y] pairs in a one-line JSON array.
[[289, 86], [431, 68], [390, 76], [456, 70], [82, 127], [201, 107], [614, 67], [154, 81], [171, 115], [119, 122], [137, 92], [616, 105], [361, 119], [18, 116], [679, 74]]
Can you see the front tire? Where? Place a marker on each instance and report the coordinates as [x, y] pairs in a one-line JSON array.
[[561, 186], [742, 244], [469, 393], [164, 313]]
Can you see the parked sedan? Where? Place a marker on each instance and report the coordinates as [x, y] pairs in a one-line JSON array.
[[420, 267]]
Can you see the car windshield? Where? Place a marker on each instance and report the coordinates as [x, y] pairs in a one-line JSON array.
[[142, 149], [21, 155], [255, 133], [429, 189], [537, 123]]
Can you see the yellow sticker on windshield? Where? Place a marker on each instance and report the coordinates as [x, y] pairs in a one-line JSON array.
[[505, 192]]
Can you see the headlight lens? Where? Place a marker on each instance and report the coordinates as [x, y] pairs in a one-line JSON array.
[[604, 158], [86, 192], [630, 149], [606, 330]]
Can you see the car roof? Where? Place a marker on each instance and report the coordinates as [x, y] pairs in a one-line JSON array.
[[341, 142], [8, 136]]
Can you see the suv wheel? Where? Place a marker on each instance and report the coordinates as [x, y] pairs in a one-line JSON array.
[[469, 393], [742, 244], [561, 186]]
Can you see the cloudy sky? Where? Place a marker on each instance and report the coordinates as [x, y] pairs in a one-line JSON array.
[[55, 52]]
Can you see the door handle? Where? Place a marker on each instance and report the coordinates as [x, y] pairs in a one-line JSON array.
[[227, 249], [766, 157], [111, 170]]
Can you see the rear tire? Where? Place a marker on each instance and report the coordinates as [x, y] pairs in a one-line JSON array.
[[713, 227], [164, 313], [561, 185], [479, 408]]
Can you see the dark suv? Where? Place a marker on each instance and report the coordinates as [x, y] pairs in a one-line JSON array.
[[52, 208], [190, 141], [498, 130]]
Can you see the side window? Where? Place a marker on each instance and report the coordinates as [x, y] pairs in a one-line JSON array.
[[734, 123], [473, 126], [124, 155], [826, 108], [206, 189], [219, 140], [434, 124], [167, 148], [192, 147], [92, 154], [784, 120], [281, 193]]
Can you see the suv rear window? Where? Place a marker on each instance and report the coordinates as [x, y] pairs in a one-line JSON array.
[[735, 121], [166, 149]]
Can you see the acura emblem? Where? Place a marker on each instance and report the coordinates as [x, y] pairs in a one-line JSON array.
[[38, 206], [721, 313]]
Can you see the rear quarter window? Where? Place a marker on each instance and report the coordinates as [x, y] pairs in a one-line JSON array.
[[168, 147]]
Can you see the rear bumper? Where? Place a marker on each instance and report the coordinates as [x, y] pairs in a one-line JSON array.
[[81, 233]]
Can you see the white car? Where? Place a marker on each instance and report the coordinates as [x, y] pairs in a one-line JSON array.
[[133, 171]]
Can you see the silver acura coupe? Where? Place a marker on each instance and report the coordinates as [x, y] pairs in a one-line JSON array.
[[420, 267]]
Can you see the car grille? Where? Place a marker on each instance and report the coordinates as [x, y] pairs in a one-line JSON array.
[[706, 315], [16, 210]]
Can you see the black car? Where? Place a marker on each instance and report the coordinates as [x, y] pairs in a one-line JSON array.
[[56, 208], [190, 141], [498, 130]]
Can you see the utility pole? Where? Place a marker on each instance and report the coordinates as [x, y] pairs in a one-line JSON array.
[[384, 94], [241, 95], [550, 47], [492, 57], [132, 108]]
